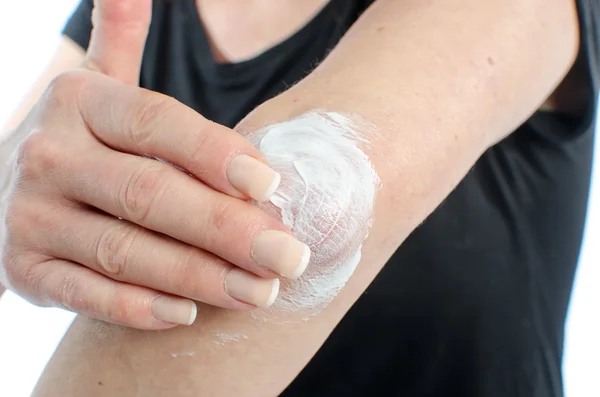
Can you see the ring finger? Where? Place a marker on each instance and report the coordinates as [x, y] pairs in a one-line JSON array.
[[129, 253], [159, 197]]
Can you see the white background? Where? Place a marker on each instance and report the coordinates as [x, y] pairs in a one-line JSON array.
[[29, 30]]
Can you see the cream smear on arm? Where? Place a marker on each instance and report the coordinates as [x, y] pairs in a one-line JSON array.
[[326, 196]]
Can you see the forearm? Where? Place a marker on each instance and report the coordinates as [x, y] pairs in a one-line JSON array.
[[439, 82]]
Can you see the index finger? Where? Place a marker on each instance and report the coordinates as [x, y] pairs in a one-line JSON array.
[[118, 38], [147, 123]]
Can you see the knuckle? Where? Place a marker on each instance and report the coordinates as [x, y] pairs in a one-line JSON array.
[[66, 292], [63, 88], [31, 280], [184, 276], [114, 249], [38, 155], [28, 220], [142, 189], [203, 146], [151, 113], [27, 277], [62, 98], [42, 150], [121, 308], [200, 277], [222, 216], [227, 218]]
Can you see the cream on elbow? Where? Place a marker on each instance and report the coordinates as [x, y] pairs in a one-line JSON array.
[[326, 196]]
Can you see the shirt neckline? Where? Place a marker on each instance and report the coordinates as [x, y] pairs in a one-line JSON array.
[[203, 53]]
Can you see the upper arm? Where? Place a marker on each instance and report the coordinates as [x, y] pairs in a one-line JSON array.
[[460, 53], [68, 56]]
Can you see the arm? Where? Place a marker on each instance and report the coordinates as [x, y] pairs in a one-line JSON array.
[[476, 71]]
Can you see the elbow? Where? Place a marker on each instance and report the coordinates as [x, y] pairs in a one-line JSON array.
[[326, 197]]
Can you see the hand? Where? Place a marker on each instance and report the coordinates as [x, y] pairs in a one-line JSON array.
[[94, 223]]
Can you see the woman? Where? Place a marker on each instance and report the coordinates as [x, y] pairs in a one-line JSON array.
[[486, 106]]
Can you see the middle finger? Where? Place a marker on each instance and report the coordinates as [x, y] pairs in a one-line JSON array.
[[159, 197], [129, 253]]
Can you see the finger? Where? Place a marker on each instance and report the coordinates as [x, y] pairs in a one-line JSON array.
[[118, 38], [73, 287], [150, 124], [129, 253], [161, 198]]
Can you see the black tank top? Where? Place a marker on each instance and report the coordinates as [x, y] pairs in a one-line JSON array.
[[474, 302]]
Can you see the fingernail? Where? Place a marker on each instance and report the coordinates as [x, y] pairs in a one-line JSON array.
[[173, 310], [281, 253], [251, 177], [246, 287]]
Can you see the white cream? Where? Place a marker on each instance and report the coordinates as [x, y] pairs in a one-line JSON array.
[[326, 197], [188, 353], [225, 338]]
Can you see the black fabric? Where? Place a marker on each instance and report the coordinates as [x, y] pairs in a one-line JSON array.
[[474, 302]]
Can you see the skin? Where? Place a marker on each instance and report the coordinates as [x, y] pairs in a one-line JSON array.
[[83, 146], [265, 25], [457, 100], [68, 55], [242, 31]]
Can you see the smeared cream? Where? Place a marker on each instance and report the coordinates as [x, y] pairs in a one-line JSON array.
[[225, 338], [187, 353], [326, 197]]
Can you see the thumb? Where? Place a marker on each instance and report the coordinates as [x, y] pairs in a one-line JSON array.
[[118, 38]]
